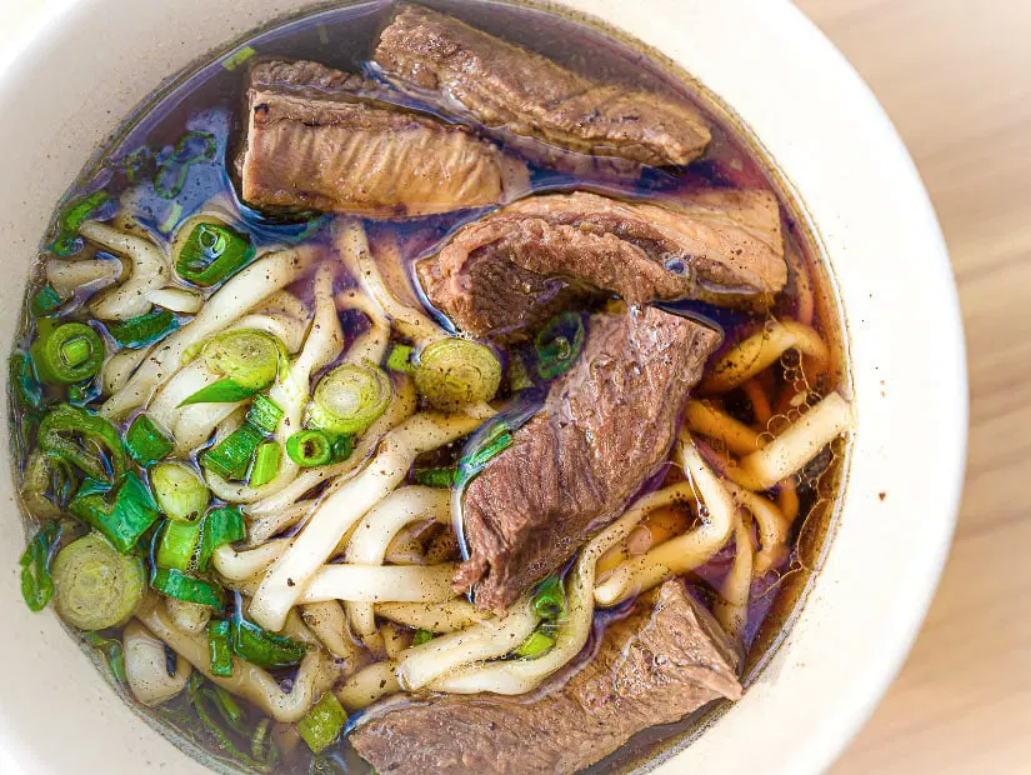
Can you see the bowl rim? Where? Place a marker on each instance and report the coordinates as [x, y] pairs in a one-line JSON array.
[[887, 658]]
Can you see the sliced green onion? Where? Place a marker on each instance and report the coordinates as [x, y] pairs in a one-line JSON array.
[[37, 586], [221, 526], [95, 586], [47, 486], [518, 376], [178, 544], [181, 586], [249, 357], [261, 648], [558, 344], [400, 358], [264, 414], [310, 448], [68, 353], [323, 724], [22, 383], [145, 441], [549, 601], [488, 444], [536, 645], [266, 464], [453, 373], [139, 164], [47, 300], [77, 437], [112, 649], [206, 697], [181, 494], [220, 649], [435, 477], [72, 217], [143, 330], [212, 253], [422, 636], [350, 398], [122, 516], [225, 391], [172, 173], [230, 457]]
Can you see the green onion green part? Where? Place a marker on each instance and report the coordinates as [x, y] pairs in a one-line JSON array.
[[549, 601], [310, 448], [536, 645], [145, 441], [453, 373], [72, 217], [143, 330], [22, 383], [422, 636], [518, 376], [350, 398], [225, 391], [249, 357], [266, 464], [45, 301], [261, 648], [112, 649], [264, 414], [86, 441], [400, 358], [323, 724], [178, 544], [96, 587], [181, 494], [67, 353], [37, 585], [435, 477], [490, 443], [182, 586], [558, 344], [231, 456], [121, 515], [220, 649], [221, 526], [212, 253]]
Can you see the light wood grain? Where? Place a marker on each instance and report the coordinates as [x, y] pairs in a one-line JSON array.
[[955, 76]]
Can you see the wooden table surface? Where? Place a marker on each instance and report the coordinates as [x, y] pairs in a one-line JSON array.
[[955, 77]]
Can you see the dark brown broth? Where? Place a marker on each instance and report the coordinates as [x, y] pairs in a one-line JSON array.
[[210, 98]]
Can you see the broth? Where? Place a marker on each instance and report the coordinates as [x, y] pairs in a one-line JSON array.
[[187, 138]]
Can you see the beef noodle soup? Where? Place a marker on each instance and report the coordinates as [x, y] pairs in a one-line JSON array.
[[422, 389]]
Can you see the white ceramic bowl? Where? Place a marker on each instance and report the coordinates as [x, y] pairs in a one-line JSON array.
[[88, 63]]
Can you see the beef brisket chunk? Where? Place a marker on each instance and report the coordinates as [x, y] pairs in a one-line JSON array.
[[529, 100], [668, 658], [316, 140], [606, 428], [538, 254]]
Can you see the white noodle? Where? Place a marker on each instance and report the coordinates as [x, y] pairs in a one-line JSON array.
[[120, 366], [381, 583], [68, 276], [421, 665], [177, 300], [149, 272], [368, 685], [232, 301], [340, 510], [241, 566], [682, 553], [328, 623], [379, 527], [454, 615], [146, 667]]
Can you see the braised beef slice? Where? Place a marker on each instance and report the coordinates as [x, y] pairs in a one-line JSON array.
[[718, 245], [607, 427], [317, 140], [668, 658], [530, 101]]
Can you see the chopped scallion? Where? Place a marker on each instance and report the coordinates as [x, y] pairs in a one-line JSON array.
[[145, 441], [310, 448], [37, 586], [264, 414], [221, 526], [558, 344], [143, 330], [266, 464], [261, 648], [323, 724], [122, 516], [434, 477], [112, 649], [422, 636], [212, 253], [178, 544], [549, 601], [67, 353], [182, 586], [75, 436], [536, 645], [400, 358], [230, 457], [453, 373], [45, 301], [72, 217], [95, 586], [350, 398], [181, 494], [219, 649]]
